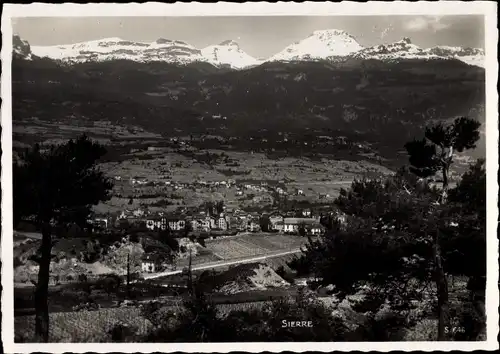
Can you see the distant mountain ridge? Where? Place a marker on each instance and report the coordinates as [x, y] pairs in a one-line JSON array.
[[404, 49], [330, 44], [161, 50]]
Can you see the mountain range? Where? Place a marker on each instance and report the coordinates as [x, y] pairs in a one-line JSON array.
[[384, 94], [332, 44]]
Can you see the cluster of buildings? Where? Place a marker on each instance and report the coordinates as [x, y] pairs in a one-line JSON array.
[[238, 221], [202, 222], [228, 221]]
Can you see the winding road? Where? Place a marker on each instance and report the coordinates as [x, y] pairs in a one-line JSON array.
[[219, 264]]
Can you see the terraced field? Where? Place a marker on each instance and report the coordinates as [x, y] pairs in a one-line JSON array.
[[253, 245]]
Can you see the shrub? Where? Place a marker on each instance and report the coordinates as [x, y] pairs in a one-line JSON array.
[[122, 333], [17, 262]]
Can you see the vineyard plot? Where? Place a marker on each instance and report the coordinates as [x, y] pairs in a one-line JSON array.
[[254, 245]]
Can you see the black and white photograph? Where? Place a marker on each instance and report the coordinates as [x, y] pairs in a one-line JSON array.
[[214, 177]]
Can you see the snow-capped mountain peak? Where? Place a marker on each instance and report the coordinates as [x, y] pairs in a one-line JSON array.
[[328, 34], [228, 52], [321, 44]]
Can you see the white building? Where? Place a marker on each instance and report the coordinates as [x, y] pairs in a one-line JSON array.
[[149, 263], [276, 222], [253, 226], [312, 226], [176, 225], [156, 224], [102, 222], [222, 223]]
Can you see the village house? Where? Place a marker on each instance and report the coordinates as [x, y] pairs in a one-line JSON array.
[[312, 225], [201, 223], [150, 263], [306, 212], [176, 224], [156, 224], [238, 223], [195, 224], [276, 222], [100, 222], [222, 223], [253, 226]]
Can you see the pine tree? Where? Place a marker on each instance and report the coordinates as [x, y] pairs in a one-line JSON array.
[[54, 188]]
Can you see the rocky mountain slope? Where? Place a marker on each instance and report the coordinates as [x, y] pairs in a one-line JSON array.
[[404, 49], [21, 48]]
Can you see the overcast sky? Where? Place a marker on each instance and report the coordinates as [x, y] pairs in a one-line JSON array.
[[260, 36]]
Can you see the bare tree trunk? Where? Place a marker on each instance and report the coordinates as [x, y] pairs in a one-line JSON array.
[[42, 287], [442, 292], [444, 195], [128, 275], [190, 275]]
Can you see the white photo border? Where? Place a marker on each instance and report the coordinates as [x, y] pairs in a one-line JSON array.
[[486, 8]]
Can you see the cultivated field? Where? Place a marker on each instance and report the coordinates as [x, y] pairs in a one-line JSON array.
[[253, 245], [323, 176]]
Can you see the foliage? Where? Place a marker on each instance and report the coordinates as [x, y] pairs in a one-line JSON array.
[[92, 252], [195, 323], [267, 324], [121, 333], [56, 187], [391, 226], [167, 238], [302, 265], [61, 184], [264, 223], [464, 247], [111, 283], [470, 322], [435, 151]]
